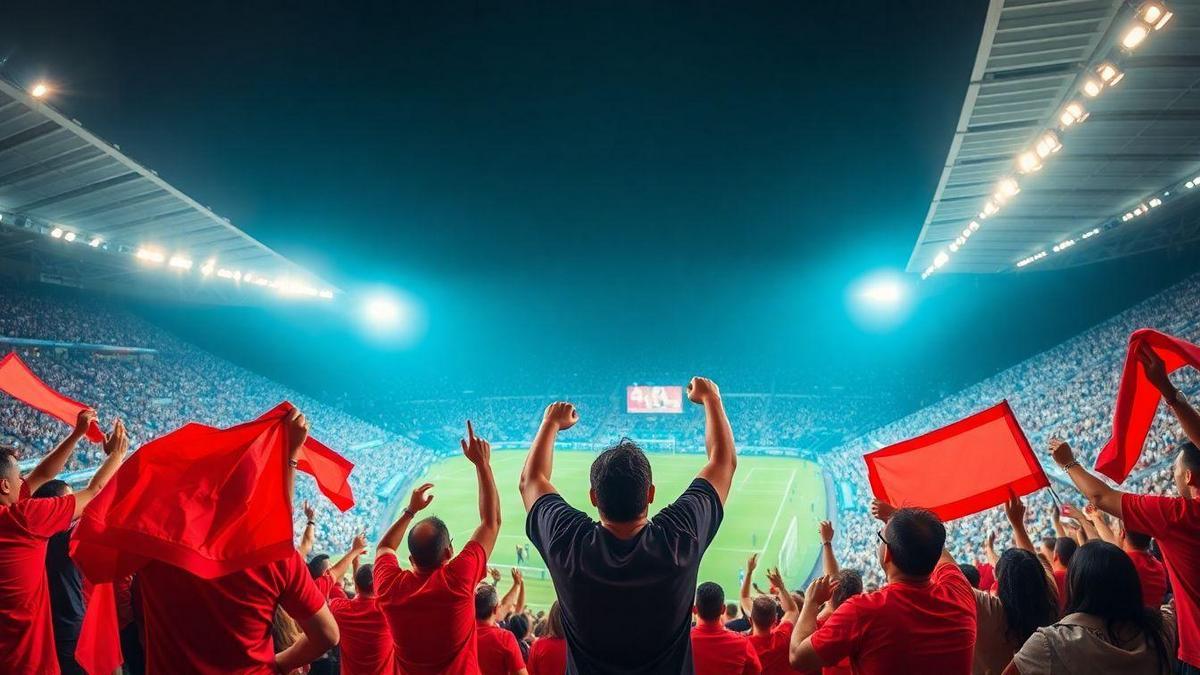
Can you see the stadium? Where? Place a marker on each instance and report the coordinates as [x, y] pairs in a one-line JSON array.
[[420, 278]]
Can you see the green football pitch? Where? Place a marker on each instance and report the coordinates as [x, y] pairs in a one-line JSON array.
[[773, 509]]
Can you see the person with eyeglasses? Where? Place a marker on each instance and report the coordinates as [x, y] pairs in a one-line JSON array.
[[922, 621]]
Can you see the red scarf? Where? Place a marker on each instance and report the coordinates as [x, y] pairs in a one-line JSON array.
[[1137, 400], [18, 381], [210, 501]]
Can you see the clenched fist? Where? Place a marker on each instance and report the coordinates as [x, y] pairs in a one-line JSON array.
[[561, 414], [702, 390]]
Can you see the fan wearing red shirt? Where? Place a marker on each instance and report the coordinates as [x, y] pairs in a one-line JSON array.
[[1173, 521], [329, 579], [922, 621], [1064, 549], [366, 645], [431, 609], [770, 633], [717, 650], [223, 625], [499, 653], [1150, 571], [26, 632], [548, 655]]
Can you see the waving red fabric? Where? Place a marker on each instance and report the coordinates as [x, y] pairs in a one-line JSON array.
[[18, 381], [1137, 400], [960, 469], [210, 501]]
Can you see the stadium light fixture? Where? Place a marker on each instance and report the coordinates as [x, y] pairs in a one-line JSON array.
[[1028, 162], [95, 242], [69, 236], [1155, 14], [1155, 202], [207, 268], [1109, 73], [1047, 145], [40, 89], [1072, 114], [57, 233], [940, 259], [1092, 87], [150, 255], [1008, 187], [180, 262], [1134, 36], [973, 225]]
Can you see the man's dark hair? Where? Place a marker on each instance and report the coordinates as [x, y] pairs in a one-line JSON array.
[[428, 541], [1064, 548], [971, 572], [916, 538], [318, 565], [9, 462], [486, 601], [731, 610], [710, 601], [1191, 455], [52, 488], [621, 478], [1137, 540], [364, 579], [763, 612], [1048, 543], [849, 585]]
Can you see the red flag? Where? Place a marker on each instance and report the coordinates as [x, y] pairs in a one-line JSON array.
[[1137, 400], [210, 501], [18, 381], [971, 465]]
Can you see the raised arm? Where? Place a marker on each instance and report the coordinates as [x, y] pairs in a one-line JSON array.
[[1156, 372], [357, 547], [479, 452], [1014, 509], [1100, 522], [390, 541], [1094, 490], [1089, 529], [829, 564], [744, 599], [791, 613], [801, 654], [116, 444], [718, 436], [514, 600], [989, 549], [53, 463], [535, 476], [309, 537], [1056, 521], [883, 511]]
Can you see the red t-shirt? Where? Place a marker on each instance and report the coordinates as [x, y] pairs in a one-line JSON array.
[[904, 627], [26, 633], [330, 588], [499, 653], [1060, 580], [719, 651], [1175, 523], [1153, 577], [432, 616], [366, 641], [548, 656], [772, 649], [221, 625], [841, 667], [987, 575]]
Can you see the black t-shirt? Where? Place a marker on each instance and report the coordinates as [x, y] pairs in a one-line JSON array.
[[627, 604], [66, 588]]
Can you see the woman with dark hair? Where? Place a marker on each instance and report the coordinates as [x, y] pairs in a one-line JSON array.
[[1106, 628], [549, 653], [1025, 599], [518, 625]]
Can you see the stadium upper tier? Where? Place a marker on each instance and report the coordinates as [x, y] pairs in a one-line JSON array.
[[1066, 391]]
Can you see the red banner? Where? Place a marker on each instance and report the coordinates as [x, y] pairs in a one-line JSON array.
[[960, 469], [18, 381]]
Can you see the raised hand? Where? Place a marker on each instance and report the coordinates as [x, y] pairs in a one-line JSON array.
[[297, 430], [518, 578], [751, 564], [310, 513], [1156, 370], [495, 574], [1070, 511], [991, 539], [1090, 511], [702, 390], [1061, 452], [776, 579], [359, 545], [82, 421], [882, 510], [420, 498], [476, 450], [819, 591], [1014, 508], [561, 414], [116, 441], [825, 529]]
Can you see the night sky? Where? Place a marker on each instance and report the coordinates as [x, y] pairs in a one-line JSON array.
[[613, 191]]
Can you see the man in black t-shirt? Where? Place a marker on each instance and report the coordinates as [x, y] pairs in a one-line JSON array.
[[65, 585], [628, 566]]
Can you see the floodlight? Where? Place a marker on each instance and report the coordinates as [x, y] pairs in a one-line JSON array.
[[95, 242], [180, 262], [207, 268], [1093, 87], [966, 233], [150, 255], [1029, 162], [57, 233], [989, 209], [1047, 145], [1134, 36], [954, 247], [40, 90], [974, 225], [69, 236], [1109, 73], [1155, 14], [1155, 202], [1009, 187], [941, 259], [1072, 114]]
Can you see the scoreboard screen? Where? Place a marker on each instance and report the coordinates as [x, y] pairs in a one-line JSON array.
[[653, 400]]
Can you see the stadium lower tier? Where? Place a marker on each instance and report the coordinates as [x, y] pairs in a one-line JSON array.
[[774, 508]]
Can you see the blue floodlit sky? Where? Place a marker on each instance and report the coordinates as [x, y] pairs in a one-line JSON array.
[[568, 195]]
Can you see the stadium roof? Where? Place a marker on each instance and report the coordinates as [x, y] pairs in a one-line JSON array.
[[1116, 174], [75, 210]]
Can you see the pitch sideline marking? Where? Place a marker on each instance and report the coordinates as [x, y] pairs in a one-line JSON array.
[[779, 511]]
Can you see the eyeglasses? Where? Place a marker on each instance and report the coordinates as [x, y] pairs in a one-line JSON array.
[[879, 533]]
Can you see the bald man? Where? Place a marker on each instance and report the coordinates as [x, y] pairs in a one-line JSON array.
[[431, 609]]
